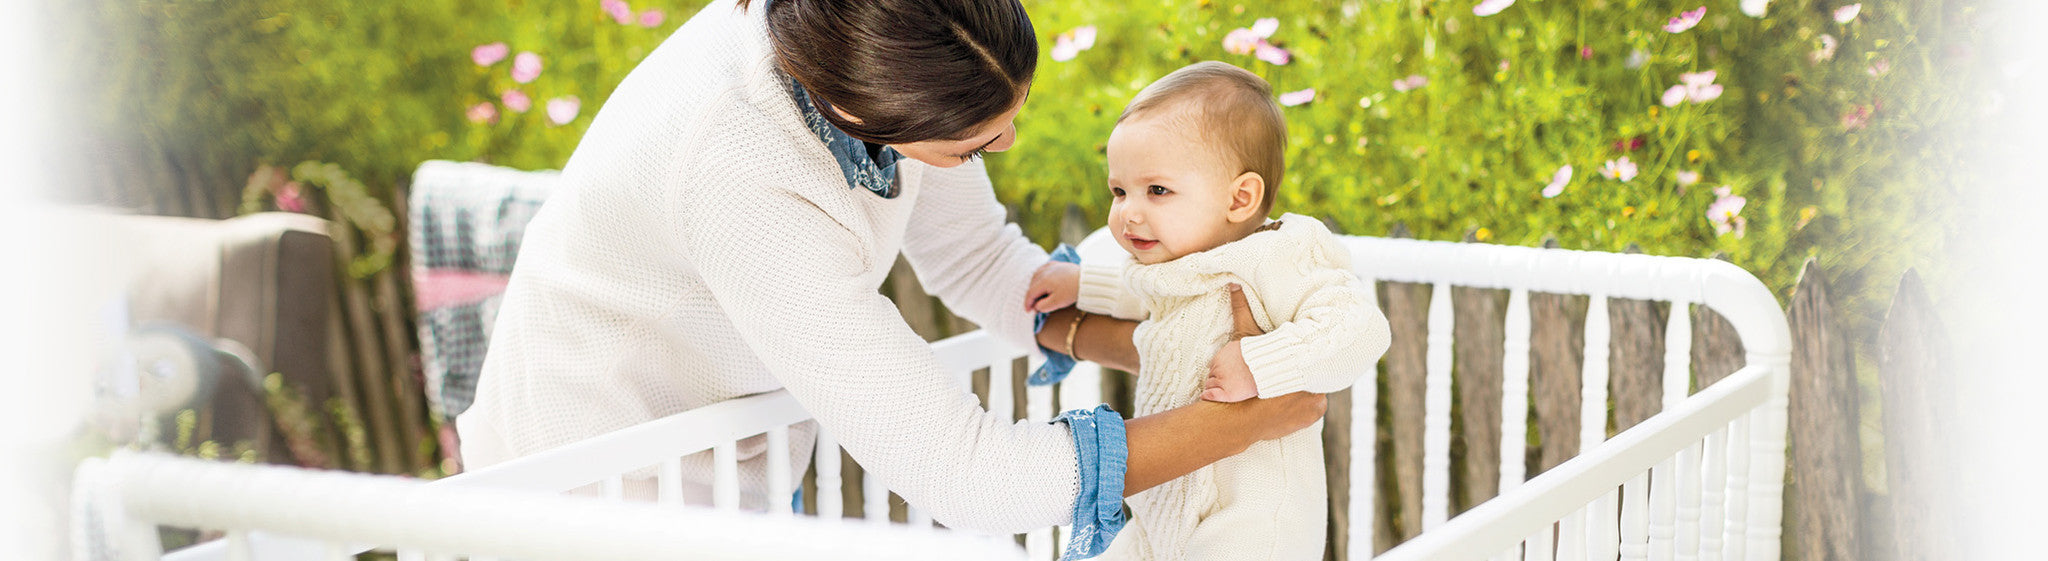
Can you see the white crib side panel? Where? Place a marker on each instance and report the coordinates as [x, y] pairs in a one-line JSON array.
[[1436, 412], [1514, 403]]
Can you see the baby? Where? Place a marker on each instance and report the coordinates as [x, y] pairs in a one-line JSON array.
[[1193, 165]]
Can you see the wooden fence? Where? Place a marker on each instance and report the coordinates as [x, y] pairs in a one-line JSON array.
[[1830, 513]]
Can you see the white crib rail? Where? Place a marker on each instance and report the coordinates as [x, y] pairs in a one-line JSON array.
[[325, 509]]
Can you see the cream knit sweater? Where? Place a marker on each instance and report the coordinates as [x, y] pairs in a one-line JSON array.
[[1323, 331], [705, 246]]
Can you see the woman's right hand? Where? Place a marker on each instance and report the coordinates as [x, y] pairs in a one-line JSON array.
[[1273, 417]]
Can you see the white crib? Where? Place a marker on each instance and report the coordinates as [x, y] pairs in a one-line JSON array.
[[1701, 479]]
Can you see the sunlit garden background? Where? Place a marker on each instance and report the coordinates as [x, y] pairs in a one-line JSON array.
[[1765, 132]]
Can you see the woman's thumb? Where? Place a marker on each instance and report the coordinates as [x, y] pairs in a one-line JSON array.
[[1243, 323]]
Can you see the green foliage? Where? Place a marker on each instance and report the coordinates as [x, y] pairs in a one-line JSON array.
[[376, 88]]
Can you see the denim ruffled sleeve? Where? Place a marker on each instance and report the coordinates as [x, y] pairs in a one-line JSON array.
[[1099, 509], [1057, 365]]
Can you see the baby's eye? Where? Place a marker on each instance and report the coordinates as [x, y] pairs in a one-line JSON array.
[[1117, 191], [1159, 190]]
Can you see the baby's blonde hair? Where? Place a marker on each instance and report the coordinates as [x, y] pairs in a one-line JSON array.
[[1230, 108]]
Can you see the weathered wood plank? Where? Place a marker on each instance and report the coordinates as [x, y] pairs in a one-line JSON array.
[[1635, 360], [1912, 357], [1825, 494], [1478, 344], [1400, 472], [1337, 439], [1557, 356]]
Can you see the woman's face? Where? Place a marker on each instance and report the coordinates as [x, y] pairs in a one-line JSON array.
[[996, 135]]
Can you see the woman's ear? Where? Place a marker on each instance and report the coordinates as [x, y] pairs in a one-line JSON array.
[[1247, 197]]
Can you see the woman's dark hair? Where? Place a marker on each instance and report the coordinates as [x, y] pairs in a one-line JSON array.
[[910, 70]]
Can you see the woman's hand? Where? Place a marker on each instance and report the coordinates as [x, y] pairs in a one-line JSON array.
[[1230, 379]]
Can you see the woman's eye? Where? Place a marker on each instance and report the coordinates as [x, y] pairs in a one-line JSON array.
[[972, 156], [1158, 190]]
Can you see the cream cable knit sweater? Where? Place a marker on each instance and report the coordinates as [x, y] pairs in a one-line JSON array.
[[1324, 331], [705, 246]]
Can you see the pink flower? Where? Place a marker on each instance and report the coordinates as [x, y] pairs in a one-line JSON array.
[[1826, 50], [1410, 83], [1241, 41], [1686, 20], [1491, 7], [515, 101], [652, 17], [1686, 178], [1846, 14], [525, 67], [486, 55], [1070, 44], [1621, 169], [1755, 8], [1726, 212], [483, 113], [619, 11], [1558, 181], [291, 197], [1880, 67], [561, 110], [1696, 86], [1294, 98], [1275, 55], [1586, 52], [1265, 27], [1858, 117]]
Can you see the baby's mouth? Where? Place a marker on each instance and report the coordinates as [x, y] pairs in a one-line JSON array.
[[1142, 244]]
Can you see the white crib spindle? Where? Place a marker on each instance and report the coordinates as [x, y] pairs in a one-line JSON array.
[[1635, 519], [725, 486], [1678, 355], [1686, 545], [1514, 403], [440, 557], [1436, 411], [1038, 407], [1364, 478], [1713, 488], [411, 555], [614, 488], [1603, 538], [1001, 395], [1571, 536], [333, 551], [1663, 508], [874, 498], [830, 486], [239, 550], [669, 483], [1767, 460], [1083, 387], [1736, 525], [780, 494], [1593, 386], [1541, 547]]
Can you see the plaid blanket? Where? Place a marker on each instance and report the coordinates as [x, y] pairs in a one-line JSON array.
[[466, 222]]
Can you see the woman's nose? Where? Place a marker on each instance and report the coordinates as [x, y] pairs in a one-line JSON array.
[[1004, 141]]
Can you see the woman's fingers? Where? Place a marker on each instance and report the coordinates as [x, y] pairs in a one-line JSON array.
[[1243, 324]]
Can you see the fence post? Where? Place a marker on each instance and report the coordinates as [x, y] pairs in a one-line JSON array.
[[1635, 362], [1911, 354], [1825, 494], [1400, 471], [1478, 344], [1556, 356]]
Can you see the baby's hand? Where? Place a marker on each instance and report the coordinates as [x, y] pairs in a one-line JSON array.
[[1230, 379], [1056, 285]]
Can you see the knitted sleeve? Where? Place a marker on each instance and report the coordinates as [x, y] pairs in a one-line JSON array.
[[788, 276], [1104, 291], [966, 253], [1335, 337]]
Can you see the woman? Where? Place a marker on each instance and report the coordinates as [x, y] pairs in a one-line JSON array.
[[720, 232]]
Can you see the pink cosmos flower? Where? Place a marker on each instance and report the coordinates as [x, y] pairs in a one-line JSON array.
[[1294, 98], [1586, 52], [483, 113], [515, 101], [1558, 181], [1265, 27], [1699, 87], [1621, 169], [1826, 50], [1686, 20], [1410, 83], [1686, 178], [1858, 117], [652, 17], [1880, 67], [1846, 14], [1755, 8], [619, 11], [1274, 55], [486, 55], [525, 67], [1674, 96], [1241, 41], [561, 110], [291, 197], [1491, 7], [1726, 212], [1070, 44]]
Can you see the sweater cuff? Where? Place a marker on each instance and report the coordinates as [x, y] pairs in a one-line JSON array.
[[1101, 288], [1100, 448], [1277, 363]]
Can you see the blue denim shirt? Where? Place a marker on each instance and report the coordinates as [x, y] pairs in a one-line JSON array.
[[1057, 364], [1100, 447]]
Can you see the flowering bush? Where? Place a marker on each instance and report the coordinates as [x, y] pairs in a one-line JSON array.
[[1769, 130]]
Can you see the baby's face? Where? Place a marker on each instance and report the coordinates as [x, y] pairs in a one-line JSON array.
[[1172, 192]]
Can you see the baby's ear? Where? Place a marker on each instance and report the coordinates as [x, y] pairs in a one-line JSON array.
[[1247, 197]]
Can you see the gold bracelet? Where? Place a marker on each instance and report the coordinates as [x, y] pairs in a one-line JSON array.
[[1071, 329]]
